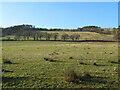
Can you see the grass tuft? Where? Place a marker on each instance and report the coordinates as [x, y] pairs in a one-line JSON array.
[[83, 63], [7, 61], [94, 63], [71, 58], [50, 60], [70, 76]]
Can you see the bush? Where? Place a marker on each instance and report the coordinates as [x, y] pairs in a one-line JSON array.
[[70, 76]]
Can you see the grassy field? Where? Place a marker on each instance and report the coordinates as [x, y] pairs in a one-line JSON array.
[[29, 69]]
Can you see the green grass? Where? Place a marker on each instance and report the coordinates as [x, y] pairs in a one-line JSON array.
[[30, 70]]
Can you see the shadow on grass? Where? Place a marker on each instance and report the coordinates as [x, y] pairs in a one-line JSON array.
[[9, 62], [95, 80], [14, 63], [92, 80], [101, 65], [52, 60], [66, 40], [3, 70], [10, 80], [82, 63], [115, 62]]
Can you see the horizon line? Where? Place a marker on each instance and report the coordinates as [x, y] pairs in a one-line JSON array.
[[55, 27]]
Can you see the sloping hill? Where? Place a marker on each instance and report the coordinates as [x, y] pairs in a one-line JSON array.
[[86, 35]]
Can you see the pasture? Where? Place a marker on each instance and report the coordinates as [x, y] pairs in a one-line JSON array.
[[29, 69]]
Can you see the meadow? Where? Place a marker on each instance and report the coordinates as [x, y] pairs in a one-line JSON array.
[[29, 67]]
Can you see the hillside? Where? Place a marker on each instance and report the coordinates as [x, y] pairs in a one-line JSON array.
[[29, 32], [83, 36], [86, 35]]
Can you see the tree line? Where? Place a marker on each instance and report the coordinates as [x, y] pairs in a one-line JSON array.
[[31, 35]]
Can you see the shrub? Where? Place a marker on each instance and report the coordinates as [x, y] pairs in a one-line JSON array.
[[70, 76]]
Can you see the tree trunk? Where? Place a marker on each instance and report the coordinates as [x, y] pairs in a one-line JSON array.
[[34, 38], [37, 38], [27, 38]]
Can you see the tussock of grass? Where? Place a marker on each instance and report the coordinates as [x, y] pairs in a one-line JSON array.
[[87, 52], [71, 58], [50, 60], [95, 64], [70, 76], [111, 53], [7, 61], [54, 53], [83, 63]]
